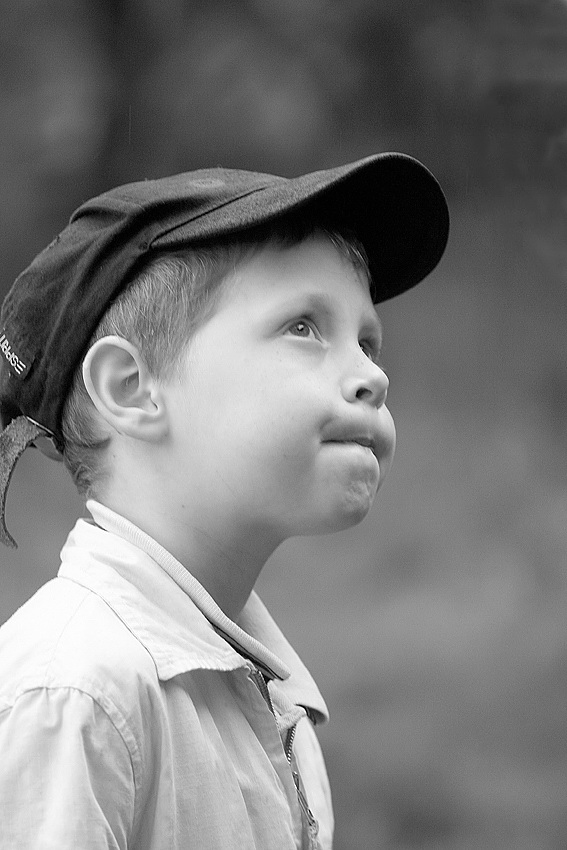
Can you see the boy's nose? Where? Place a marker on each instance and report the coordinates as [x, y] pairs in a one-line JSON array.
[[370, 384]]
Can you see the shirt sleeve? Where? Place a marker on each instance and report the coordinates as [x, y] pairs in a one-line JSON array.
[[66, 780]]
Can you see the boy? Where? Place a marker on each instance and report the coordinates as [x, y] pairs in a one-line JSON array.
[[203, 352]]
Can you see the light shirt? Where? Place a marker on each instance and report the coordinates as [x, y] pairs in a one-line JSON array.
[[134, 713]]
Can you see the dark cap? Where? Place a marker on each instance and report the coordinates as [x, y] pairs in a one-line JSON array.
[[390, 201]]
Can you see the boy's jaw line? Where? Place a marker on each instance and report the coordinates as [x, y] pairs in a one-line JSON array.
[[219, 557], [223, 564]]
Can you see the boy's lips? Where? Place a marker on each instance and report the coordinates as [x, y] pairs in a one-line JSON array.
[[369, 429], [367, 442], [368, 436]]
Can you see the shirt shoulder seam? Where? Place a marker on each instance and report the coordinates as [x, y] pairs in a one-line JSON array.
[[120, 725]]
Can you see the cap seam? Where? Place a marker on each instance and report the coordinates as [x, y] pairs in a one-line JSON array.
[[208, 212]]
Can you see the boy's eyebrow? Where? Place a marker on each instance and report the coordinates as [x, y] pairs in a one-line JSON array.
[[315, 301]]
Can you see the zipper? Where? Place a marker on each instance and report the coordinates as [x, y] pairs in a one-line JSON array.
[[289, 742], [260, 680], [312, 825]]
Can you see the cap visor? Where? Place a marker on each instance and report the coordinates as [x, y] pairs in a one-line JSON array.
[[390, 201]]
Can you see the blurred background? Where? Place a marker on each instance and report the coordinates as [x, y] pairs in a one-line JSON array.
[[437, 629]]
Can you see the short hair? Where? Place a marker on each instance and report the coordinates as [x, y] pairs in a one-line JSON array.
[[159, 312]]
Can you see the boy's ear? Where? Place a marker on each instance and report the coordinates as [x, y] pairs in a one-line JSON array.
[[122, 389]]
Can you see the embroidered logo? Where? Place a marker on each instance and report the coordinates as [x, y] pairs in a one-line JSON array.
[[18, 366]]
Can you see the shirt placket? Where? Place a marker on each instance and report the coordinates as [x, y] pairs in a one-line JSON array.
[[310, 827]]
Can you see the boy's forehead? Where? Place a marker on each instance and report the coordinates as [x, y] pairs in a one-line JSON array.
[[313, 274]]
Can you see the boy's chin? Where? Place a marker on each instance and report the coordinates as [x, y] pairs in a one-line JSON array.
[[351, 509]]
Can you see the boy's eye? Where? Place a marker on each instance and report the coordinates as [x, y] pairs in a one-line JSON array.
[[301, 328], [371, 350]]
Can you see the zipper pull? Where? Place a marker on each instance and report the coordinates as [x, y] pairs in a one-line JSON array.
[[312, 825]]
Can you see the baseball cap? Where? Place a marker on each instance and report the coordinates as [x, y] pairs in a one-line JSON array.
[[390, 201]]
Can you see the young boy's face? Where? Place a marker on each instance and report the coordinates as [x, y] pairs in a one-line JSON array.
[[279, 423]]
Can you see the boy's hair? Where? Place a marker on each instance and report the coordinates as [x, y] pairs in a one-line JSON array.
[[160, 311]]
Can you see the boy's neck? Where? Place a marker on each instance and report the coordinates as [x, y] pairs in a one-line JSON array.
[[225, 560]]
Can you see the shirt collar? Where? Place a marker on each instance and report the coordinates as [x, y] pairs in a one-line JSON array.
[[172, 614]]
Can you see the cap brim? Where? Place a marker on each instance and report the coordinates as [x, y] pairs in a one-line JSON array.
[[390, 201]]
